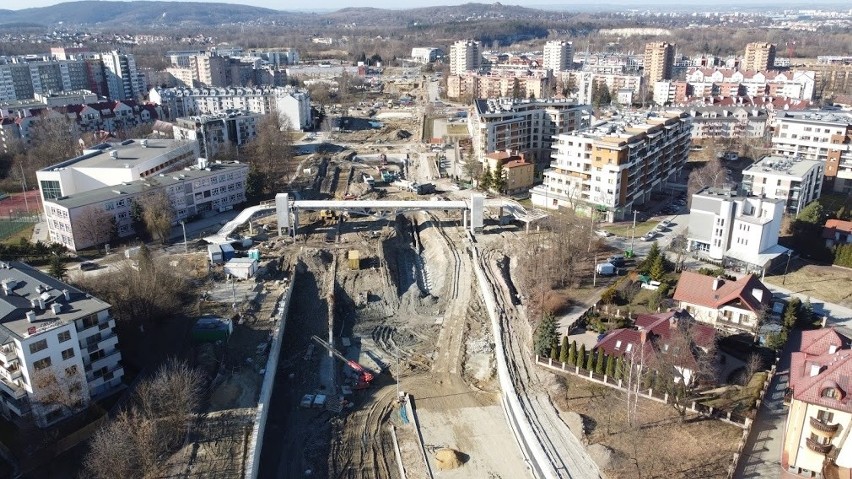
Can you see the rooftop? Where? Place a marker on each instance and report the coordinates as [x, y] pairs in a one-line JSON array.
[[23, 286], [132, 188], [823, 361], [780, 166], [696, 288], [500, 105], [129, 153], [821, 116]]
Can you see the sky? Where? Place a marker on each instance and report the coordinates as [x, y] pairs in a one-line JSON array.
[[325, 5]]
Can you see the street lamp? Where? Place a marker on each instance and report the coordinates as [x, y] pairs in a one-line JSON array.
[[789, 255]]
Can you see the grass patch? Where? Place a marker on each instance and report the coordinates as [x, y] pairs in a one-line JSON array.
[[11, 232], [626, 228], [832, 202], [828, 283], [456, 129], [428, 128]]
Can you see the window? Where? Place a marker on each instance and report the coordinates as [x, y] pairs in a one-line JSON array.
[[64, 336], [38, 346], [42, 363], [629, 347], [68, 354], [825, 416], [51, 190], [90, 320], [71, 370]]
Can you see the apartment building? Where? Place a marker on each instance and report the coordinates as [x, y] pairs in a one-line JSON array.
[[111, 177], [613, 166], [24, 80], [759, 56], [730, 306], [741, 231], [124, 82], [526, 126], [57, 341], [465, 55], [213, 132], [506, 83], [290, 103], [818, 135], [425, 54], [728, 82], [659, 60], [585, 82], [558, 55], [815, 440], [798, 182], [715, 122]]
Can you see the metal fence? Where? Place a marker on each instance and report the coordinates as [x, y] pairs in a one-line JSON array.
[[11, 225]]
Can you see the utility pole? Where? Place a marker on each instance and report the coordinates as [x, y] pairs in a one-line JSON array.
[[185, 247], [24, 189], [633, 234], [595, 273]]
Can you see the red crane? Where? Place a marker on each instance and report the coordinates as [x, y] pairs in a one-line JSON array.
[[365, 377]]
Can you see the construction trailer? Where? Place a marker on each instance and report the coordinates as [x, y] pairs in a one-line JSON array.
[[241, 268]]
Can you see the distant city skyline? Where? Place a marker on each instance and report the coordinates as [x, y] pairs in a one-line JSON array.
[[587, 5]]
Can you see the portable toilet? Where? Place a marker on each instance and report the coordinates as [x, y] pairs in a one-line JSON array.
[[254, 254]]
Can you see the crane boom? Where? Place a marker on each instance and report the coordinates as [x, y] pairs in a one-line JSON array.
[[364, 376]]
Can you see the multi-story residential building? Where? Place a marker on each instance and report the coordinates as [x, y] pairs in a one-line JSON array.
[[816, 443], [506, 83], [759, 56], [726, 82], [558, 55], [731, 306], [123, 80], [525, 126], [610, 63], [818, 135], [742, 231], [613, 166], [798, 182], [291, 103], [425, 54], [518, 173], [57, 342], [111, 177], [659, 60], [710, 122], [465, 55], [212, 132], [585, 81], [24, 80], [181, 76]]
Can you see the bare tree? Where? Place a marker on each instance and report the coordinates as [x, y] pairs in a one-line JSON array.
[[684, 363], [59, 389], [271, 154], [713, 173], [52, 138], [94, 226], [171, 396], [157, 214]]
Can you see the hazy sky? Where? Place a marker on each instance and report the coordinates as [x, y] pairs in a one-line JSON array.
[[337, 4]]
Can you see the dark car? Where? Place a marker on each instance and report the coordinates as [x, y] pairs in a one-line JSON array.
[[88, 266]]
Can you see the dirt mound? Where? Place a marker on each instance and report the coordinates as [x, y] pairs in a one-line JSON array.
[[602, 455], [449, 459]]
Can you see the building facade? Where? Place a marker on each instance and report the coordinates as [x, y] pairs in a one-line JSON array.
[[821, 136], [425, 54], [59, 349], [797, 182], [759, 56], [465, 55], [124, 82], [614, 166], [711, 122], [503, 84], [742, 231], [213, 132], [558, 55], [730, 306], [525, 126], [659, 60]]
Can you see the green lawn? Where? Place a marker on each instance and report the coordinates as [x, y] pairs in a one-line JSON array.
[[832, 202], [625, 229], [11, 232]]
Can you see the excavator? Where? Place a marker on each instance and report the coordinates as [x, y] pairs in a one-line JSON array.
[[365, 377]]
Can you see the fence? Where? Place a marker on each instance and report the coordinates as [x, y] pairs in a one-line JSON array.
[[10, 226], [701, 409]]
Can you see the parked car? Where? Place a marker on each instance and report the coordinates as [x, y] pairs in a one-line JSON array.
[[650, 236], [666, 223], [616, 260], [88, 266], [603, 233], [605, 269]]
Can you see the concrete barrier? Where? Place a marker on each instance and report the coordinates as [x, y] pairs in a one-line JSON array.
[[256, 441]]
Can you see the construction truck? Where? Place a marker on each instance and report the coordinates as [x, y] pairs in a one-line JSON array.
[[364, 377], [328, 215]]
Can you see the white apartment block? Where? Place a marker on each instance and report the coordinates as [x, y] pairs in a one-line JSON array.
[[742, 231], [818, 135], [55, 342], [525, 126], [584, 81], [124, 82], [425, 54], [614, 165], [798, 182], [530, 84], [726, 122], [465, 55], [291, 103], [706, 82], [213, 132], [558, 55]]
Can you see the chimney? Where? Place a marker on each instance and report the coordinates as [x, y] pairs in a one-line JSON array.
[[815, 368], [31, 316], [832, 348], [56, 308], [33, 303], [41, 303], [643, 336], [67, 294], [758, 294], [718, 282]]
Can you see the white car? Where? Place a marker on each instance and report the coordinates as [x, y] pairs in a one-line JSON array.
[[603, 233], [650, 236]]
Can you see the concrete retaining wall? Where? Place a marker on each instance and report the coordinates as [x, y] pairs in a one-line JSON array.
[[256, 440], [540, 465]]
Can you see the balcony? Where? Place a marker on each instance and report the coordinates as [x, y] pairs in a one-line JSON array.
[[823, 428], [817, 446], [8, 354]]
